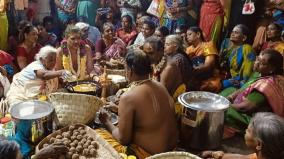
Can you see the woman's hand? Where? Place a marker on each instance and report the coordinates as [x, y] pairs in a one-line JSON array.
[[53, 151], [212, 154]]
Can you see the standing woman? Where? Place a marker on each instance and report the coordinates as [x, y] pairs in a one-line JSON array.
[[28, 46], [212, 17], [74, 55], [88, 9]]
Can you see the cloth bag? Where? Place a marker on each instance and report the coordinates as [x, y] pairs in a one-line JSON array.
[[248, 8]]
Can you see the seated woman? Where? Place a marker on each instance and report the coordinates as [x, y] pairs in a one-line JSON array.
[[203, 56], [261, 93], [274, 38], [28, 46], [74, 55], [109, 46], [127, 33], [264, 136], [236, 58], [162, 32], [164, 70], [35, 79]]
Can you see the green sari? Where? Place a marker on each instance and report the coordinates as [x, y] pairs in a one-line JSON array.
[[88, 9]]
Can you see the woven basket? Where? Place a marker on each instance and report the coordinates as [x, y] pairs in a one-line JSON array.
[[73, 108], [174, 155], [116, 72], [105, 151]]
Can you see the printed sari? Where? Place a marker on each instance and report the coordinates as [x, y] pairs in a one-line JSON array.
[[210, 80], [278, 46], [116, 50], [271, 88], [240, 62]]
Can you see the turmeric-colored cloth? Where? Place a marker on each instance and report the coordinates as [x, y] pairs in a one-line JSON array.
[[278, 46], [208, 81], [132, 149], [178, 107]]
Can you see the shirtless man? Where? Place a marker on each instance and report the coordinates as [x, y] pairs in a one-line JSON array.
[[146, 111]]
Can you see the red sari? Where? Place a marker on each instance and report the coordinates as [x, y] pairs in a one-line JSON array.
[[126, 37], [22, 52]]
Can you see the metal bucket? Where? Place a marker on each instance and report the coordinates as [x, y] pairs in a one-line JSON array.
[[202, 120], [33, 119]]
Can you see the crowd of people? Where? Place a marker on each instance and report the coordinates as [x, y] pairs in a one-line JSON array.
[[231, 47]]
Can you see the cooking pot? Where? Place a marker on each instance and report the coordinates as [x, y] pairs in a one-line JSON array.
[[33, 119], [202, 120]]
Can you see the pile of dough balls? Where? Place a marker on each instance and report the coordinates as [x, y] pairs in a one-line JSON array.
[[80, 144]]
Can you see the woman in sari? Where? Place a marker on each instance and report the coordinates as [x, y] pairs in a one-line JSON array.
[[237, 58], [203, 56], [88, 9], [274, 38], [127, 33], [109, 46], [28, 46], [74, 55], [176, 13], [212, 17], [264, 136], [263, 92], [35, 79]]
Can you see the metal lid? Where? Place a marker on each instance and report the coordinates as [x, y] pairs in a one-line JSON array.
[[31, 110], [204, 101]]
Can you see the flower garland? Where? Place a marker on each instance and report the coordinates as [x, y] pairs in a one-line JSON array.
[[81, 59], [159, 68]]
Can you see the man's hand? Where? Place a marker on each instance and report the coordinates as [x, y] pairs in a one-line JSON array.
[[104, 116], [111, 107], [53, 151]]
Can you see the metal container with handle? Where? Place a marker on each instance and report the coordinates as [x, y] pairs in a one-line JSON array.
[[202, 120]]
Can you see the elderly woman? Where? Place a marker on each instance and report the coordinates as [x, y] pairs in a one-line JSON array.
[[264, 135], [74, 55], [237, 58], [28, 46], [274, 38], [263, 92], [127, 32], [203, 56], [11, 150], [109, 46], [35, 79]]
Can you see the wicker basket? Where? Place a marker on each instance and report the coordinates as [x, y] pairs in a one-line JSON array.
[[174, 155], [116, 72], [105, 151], [73, 108]]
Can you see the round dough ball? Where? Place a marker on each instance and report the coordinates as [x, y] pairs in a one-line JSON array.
[[84, 140], [83, 157], [66, 134], [66, 143], [91, 147], [45, 145], [82, 132], [73, 144], [85, 146], [75, 133], [72, 149], [79, 148], [58, 141], [51, 140], [95, 144], [79, 137], [73, 138], [75, 156], [58, 137], [71, 128], [93, 152], [90, 138], [88, 142], [76, 142]]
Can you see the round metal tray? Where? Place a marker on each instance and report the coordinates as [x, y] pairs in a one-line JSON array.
[[31, 110], [204, 101]]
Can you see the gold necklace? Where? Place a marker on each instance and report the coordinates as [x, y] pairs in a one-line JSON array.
[[137, 83]]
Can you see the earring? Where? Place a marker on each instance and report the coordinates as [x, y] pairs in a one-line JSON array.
[[258, 148]]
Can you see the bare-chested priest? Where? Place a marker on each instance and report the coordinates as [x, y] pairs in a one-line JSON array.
[[147, 123]]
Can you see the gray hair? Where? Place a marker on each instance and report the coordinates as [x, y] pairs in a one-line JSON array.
[[108, 24], [268, 128], [45, 51], [177, 40]]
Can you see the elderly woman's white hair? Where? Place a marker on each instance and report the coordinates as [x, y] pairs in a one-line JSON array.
[[176, 39], [45, 51], [82, 25]]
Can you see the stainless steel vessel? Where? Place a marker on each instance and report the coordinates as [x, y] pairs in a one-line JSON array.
[[202, 120]]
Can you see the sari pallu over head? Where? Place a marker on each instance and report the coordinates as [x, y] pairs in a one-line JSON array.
[[272, 87]]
